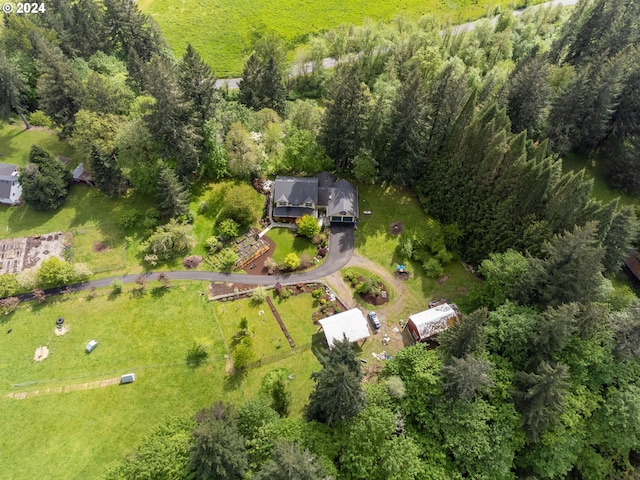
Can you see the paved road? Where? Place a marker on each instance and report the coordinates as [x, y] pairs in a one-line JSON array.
[[234, 83], [341, 245]]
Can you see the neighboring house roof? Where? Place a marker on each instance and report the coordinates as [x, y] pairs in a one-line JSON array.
[[10, 188], [343, 199], [8, 169], [633, 264], [80, 174], [434, 320], [296, 190], [350, 323]]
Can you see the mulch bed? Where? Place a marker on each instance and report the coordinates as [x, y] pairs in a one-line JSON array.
[[192, 261], [396, 228], [260, 269], [402, 275]]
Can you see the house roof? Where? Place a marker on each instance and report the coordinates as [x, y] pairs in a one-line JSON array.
[[5, 187], [7, 179], [295, 212], [343, 199], [80, 173], [350, 323], [434, 320], [296, 190], [8, 169], [633, 264]]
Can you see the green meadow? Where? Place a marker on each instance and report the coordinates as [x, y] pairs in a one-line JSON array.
[[224, 30], [71, 425]]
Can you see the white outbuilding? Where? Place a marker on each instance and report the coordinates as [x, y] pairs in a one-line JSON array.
[[428, 323], [351, 324]]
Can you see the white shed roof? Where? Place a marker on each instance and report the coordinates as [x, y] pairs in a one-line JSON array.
[[434, 320], [350, 323]]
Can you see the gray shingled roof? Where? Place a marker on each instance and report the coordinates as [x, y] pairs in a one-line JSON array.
[[296, 190], [7, 169], [343, 200]]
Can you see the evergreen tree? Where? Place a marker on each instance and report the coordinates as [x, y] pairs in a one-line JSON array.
[[568, 271], [619, 239], [199, 85], [528, 94], [106, 172], [89, 32], [135, 35], [466, 336], [346, 117], [337, 397], [262, 84], [467, 377], [13, 88], [406, 153], [540, 397], [173, 198], [249, 88], [170, 121], [219, 450], [59, 88], [45, 180]]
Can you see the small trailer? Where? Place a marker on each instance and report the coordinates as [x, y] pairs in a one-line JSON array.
[[91, 346], [127, 378]]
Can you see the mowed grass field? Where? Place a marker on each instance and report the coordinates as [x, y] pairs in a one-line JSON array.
[[15, 143], [223, 30], [74, 433]]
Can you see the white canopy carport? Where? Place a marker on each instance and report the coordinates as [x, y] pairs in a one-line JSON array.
[[350, 323], [430, 322]]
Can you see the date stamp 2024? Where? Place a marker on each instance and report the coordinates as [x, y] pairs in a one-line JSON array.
[[24, 8]]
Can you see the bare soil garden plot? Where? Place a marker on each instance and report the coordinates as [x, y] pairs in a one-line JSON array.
[[18, 254]]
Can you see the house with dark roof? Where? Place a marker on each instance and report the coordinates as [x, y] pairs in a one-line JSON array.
[[319, 196], [10, 188]]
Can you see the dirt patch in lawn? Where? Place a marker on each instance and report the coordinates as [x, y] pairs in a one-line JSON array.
[[100, 247], [41, 353], [192, 261], [396, 228]]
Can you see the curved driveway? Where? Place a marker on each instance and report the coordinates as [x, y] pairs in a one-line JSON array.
[[341, 245]]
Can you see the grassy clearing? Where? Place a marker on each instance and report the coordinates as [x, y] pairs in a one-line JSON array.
[[92, 218], [374, 241], [72, 435], [75, 434], [15, 143], [601, 188], [223, 30], [286, 243]]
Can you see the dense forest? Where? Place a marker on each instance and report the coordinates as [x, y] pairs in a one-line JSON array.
[[540, 379]]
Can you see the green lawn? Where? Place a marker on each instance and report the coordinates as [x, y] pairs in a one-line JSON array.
[[601, 188], [92, 218], [223, 30], [286, 243], [74, 434], [15, 143], [390, 204]]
